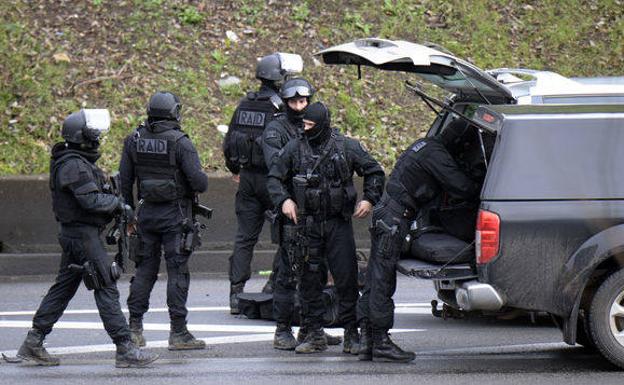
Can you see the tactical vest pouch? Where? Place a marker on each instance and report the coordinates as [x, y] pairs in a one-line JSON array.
[[158, 190], [336, 200], [313, 200], [350, 198], [257, 156], [243, 147]]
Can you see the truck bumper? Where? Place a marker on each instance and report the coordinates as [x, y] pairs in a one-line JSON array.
[[474, 295]]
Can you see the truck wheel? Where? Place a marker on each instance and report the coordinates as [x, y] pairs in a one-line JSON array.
[[606, 319]]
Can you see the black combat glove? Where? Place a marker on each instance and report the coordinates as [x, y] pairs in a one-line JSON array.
[[125, 210]]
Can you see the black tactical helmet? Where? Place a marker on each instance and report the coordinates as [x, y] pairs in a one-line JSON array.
[[164, 105], [270, 68], [85, 126], [297, 87]]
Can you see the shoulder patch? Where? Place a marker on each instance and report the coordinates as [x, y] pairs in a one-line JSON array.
[[418, 146]]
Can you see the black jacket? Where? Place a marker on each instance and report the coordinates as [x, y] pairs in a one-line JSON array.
[[163, 216], [78, 187], [277, 134], [358, 160], [425, 170]]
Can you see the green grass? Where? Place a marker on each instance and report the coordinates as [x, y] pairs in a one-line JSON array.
[[183, 49]]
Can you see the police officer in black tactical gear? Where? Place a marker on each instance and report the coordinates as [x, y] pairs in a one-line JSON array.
[[83, 205], [423, 172], [296, 94], [242, 149], [312, 182], [160, 157]]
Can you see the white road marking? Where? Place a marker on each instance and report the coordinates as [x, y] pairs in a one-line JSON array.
[[153, 344], [401, 308], [95, 311], [219, 328]]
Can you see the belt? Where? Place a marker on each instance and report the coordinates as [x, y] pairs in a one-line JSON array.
[[406, 212]]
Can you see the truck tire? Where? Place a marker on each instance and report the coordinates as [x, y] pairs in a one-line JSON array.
[[606, 319]]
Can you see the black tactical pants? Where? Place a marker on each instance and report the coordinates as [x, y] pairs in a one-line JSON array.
[[82, 243], [178, 277], [331, 246], [284, 290], [252, 200], [376, 304]]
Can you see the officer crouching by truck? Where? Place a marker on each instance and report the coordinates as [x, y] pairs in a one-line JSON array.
[[311, 180], [166, 166], [83, 205], [423, 172]]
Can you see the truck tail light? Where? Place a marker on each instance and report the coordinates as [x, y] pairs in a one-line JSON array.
[[487, 236]]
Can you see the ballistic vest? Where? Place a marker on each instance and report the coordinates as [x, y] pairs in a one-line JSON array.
[[65, 206], [244, 140], [159, 178], [323, 183]]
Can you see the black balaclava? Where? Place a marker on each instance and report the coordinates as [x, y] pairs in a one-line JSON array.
[[319, 114], [90, 151], [270, 84], [158, 125]]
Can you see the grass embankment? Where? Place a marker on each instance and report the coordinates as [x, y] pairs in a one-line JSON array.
[[59, 56]]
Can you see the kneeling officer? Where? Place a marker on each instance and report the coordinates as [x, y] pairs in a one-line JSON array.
[[83, 206]]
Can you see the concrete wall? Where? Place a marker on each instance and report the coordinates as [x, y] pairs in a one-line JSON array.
[[28, 230]]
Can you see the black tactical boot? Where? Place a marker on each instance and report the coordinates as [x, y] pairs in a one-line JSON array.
[[136, 331], [314, 342], [351, 344], [184, 340], [331, 340], [384, 350], [32, 350], [234, 291], [130, 356], [366, 342], [284, 339]]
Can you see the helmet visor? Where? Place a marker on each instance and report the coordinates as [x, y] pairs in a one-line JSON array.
[[291, 63], [291, 92], [97, 120]]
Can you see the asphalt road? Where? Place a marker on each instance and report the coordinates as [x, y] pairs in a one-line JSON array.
[[468, 351]]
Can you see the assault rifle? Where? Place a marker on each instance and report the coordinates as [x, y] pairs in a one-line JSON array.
[[118, 234], [297, 245], [296, 237], [191, 236]]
